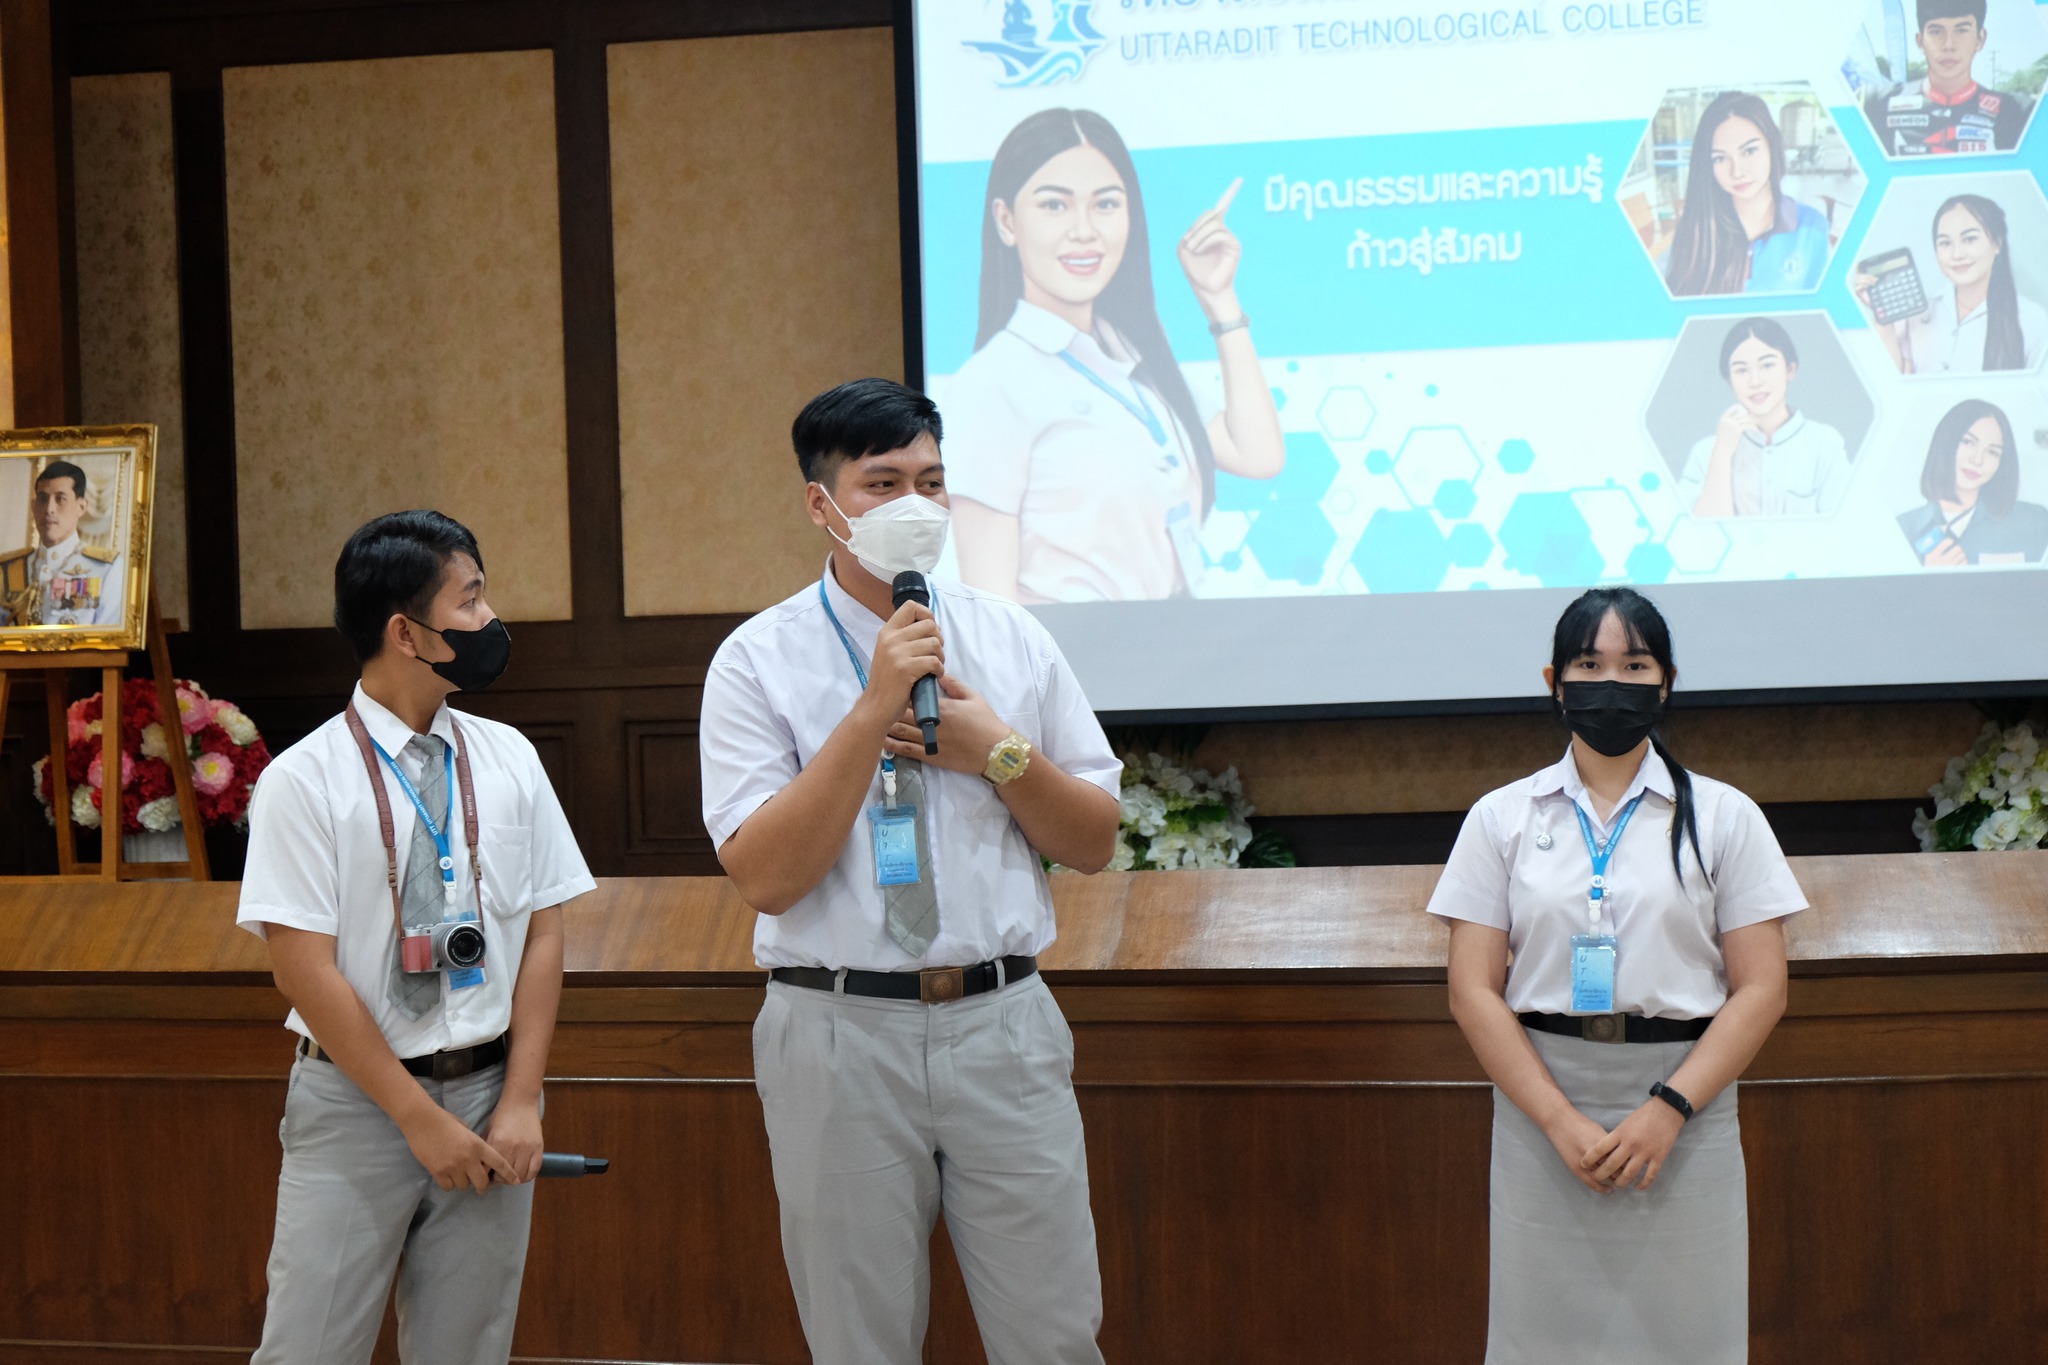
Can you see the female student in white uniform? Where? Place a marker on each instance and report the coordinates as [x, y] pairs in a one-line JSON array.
[[1766, 457], [1981, 322], [1079, 467], [1634, 997]]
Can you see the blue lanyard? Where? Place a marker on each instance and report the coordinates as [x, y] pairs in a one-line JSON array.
[[1140, 410], [1602, 853], [437, 830], [859, 670]]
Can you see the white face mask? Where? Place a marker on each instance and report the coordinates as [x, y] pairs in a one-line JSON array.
[[903, 534]]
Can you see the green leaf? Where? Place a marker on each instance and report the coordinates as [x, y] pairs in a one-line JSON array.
[[1268, 848], [1954, 832]]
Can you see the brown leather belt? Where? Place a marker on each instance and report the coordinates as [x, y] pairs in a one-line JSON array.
[[933, 985], [451, 1065]]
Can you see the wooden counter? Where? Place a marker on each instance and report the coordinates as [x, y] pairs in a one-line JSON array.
[[1287, 1136]]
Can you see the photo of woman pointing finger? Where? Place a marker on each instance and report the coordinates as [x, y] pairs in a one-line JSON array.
[[1080, 465]]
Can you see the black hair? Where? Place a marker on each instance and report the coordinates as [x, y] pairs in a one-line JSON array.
[[391, 566], [1710, 251], [857, 419], [1648, 634], [1763, 329], [64, 469], [2005, 348], [1126, 302], [1930, 10], [1938, 475]]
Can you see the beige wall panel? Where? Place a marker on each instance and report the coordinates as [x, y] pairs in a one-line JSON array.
[[395, 271], [754, 213], [1775, 753], [125, 199]]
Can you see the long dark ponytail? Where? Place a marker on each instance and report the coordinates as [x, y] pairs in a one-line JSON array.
[[1126, 302], [2005, 348], [1577, 630], [1710, 250]]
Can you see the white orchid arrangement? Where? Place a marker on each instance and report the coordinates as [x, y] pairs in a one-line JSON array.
[[1176, 816], [1995, 796]]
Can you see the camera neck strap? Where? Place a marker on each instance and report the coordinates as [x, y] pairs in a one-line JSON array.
[[368, 748]]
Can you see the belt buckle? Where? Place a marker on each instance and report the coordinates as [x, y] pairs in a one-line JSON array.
[[453, 1066], [941, 985], [1604, 1028]]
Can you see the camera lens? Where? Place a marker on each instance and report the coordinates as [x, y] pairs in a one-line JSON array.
[[464, 945]]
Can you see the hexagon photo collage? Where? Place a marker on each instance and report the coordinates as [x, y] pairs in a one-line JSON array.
[[1864, 317]]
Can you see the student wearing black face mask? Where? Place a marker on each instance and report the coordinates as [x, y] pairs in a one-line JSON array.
[[386, 850], [1617, 958]]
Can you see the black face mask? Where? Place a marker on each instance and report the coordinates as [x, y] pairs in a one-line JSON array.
[[1612, 717], [480, 655]]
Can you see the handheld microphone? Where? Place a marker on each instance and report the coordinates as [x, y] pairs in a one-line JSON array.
[[924, 693], [569, 1166]]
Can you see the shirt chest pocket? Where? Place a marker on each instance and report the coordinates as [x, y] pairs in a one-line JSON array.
[[506, 855]]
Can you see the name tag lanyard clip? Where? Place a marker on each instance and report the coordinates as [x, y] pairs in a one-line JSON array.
[[1601, 854]]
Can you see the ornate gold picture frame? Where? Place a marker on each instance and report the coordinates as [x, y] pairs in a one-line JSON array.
[[75, 505]]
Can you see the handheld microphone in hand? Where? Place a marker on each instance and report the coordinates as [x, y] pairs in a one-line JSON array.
[[569, 1166], [924, 693]]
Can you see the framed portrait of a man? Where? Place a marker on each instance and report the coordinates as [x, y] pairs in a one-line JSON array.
[[74, 537]]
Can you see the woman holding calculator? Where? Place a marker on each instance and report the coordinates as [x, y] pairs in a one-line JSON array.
[[1980, 322], [1617, 958]]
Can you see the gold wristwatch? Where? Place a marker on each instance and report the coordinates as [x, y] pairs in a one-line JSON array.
[[1008, 760]]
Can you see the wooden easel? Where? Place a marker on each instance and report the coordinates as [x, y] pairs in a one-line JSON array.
[[113, 664]]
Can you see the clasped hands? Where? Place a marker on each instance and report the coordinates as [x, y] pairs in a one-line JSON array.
[[1632, 1154], [910, 646]]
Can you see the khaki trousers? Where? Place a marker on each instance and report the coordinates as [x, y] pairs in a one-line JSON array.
[[355, 1211], [882, 1113]]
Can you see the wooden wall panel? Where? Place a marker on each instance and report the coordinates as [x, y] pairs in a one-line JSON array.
[[127, 232], [755, 244], [37, 306], [395, 269], [1257, 1221]]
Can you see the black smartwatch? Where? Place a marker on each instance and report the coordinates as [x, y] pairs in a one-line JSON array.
[[1674, 1099]]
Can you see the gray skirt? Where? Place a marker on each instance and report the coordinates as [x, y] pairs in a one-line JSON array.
[[1628, 1277]]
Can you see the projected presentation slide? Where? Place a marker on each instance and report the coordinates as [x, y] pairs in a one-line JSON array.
[[1314, 303]]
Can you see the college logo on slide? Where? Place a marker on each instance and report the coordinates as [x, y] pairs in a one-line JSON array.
[[1028, 58]]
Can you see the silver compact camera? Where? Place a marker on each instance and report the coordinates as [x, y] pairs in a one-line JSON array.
[[454, 946]]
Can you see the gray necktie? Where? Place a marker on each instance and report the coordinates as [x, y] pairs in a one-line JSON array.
[[421, 900], [911, 913]]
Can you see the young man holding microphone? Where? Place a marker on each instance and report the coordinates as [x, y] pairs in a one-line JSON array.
[[909, 1058]]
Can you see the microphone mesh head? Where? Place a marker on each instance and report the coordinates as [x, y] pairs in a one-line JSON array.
[[909, 586]]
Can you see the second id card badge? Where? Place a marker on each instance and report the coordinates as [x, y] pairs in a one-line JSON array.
[[1592, 974], [894, 829]]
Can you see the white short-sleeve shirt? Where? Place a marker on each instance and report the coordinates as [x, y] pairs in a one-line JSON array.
[[316, 862], [1801, 469], [1029, 435], [781, 684], [1941, 343], [1520, 864]]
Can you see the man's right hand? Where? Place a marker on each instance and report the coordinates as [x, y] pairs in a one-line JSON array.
[[908, 648], [453, 1154]]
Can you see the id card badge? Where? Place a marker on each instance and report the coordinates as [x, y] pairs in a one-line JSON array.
[[462, 978], [1592, 974], [894, 830], [1180, 529]]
